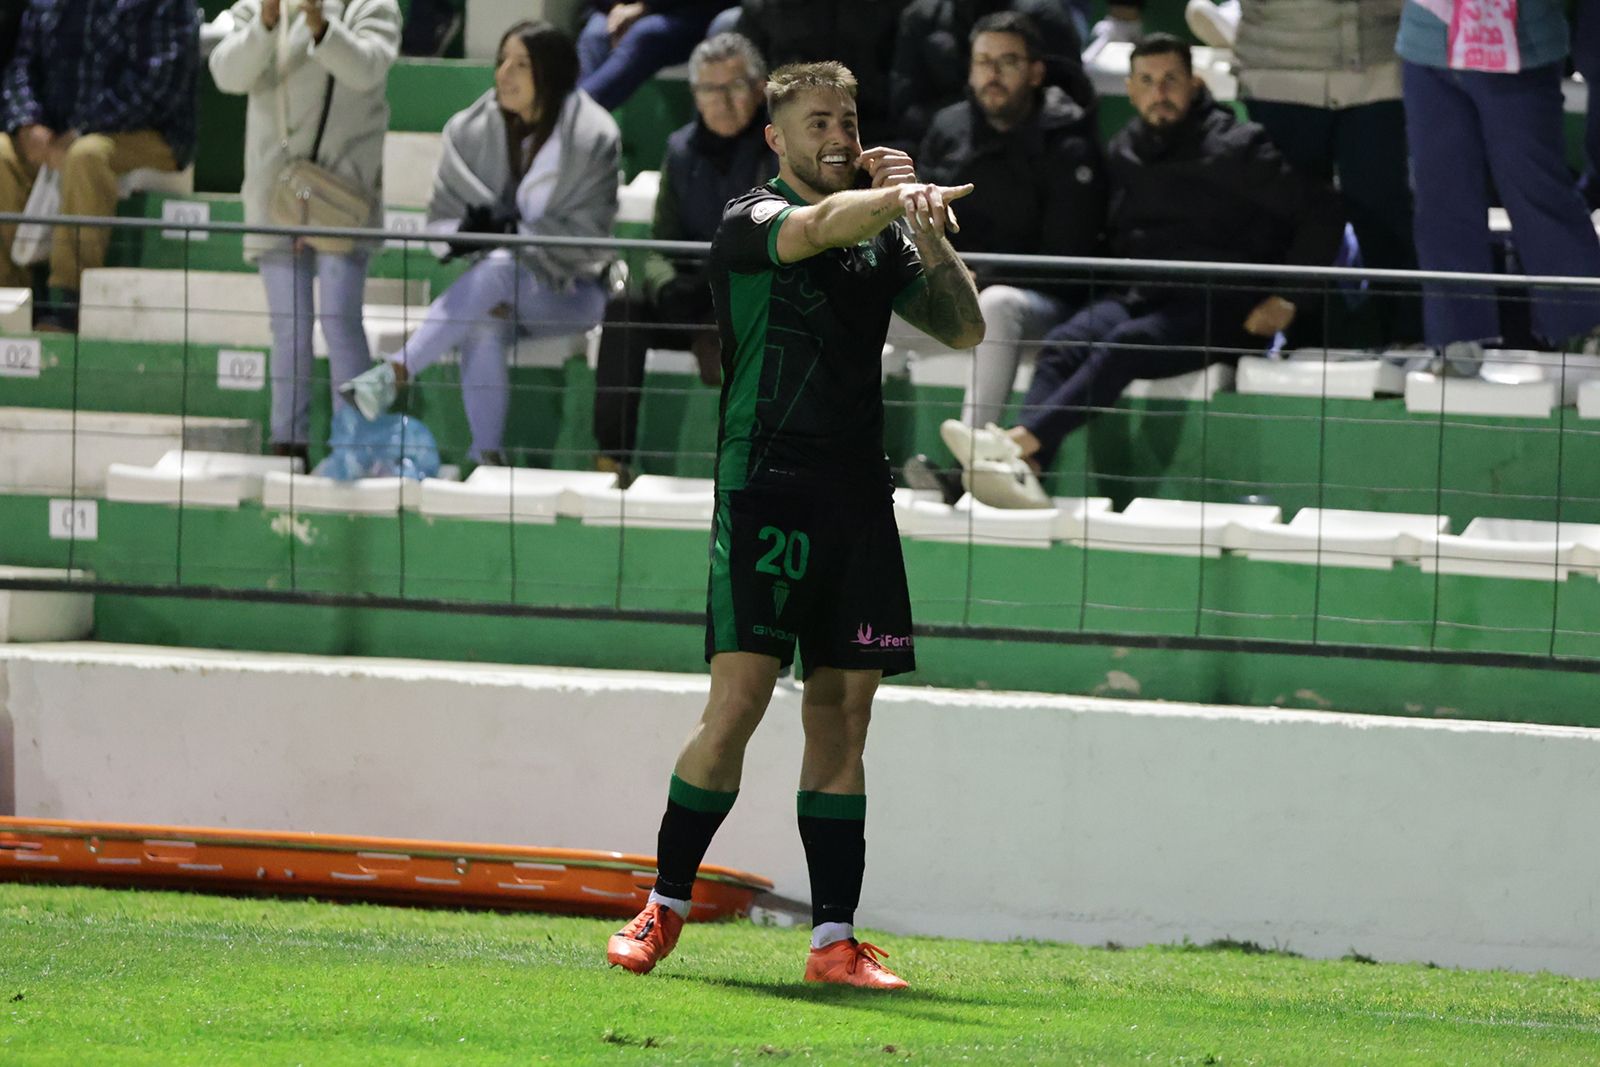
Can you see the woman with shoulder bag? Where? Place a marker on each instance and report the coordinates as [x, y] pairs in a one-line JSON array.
[[316, 73], [536, 156]]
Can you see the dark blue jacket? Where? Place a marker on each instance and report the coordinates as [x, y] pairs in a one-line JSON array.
[[134, 66], [699, 175]]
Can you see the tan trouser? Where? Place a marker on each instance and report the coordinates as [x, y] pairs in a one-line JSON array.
[[88, 187]]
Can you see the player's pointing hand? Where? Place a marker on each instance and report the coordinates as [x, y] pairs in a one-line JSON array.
[[927, 209]]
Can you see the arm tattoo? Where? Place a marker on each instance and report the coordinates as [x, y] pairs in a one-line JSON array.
[[947, 307]]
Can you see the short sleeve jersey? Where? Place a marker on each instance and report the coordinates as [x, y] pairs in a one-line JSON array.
[[802, 348]]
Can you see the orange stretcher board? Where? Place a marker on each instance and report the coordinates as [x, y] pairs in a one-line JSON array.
[[390, 870]]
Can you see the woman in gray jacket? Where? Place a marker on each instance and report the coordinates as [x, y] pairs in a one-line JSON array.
[[537, 156], [294, 58]]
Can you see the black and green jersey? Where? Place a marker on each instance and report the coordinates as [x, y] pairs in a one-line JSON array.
[[802, 348]]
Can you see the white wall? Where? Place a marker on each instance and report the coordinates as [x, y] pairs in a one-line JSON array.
[[990, 815]]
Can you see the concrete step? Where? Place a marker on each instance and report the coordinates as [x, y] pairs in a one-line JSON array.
[[47, 450], [29, 615], [196, 479], [1353, 379], [1176, 527], [222, 308], [1432, 394], [1516, 548], [515, 494], [652, 500], [1327, 537], [923, 517]]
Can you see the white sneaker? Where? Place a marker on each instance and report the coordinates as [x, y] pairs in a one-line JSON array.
[[372, 391], [1006, 484], [1216, 24], [971, 446]]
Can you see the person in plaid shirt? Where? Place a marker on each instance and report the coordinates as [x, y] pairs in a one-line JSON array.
[[95, 89]]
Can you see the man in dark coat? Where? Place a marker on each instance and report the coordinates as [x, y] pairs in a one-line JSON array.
[[858, 33], [711, 160], [934, 43], [1040, 189], [1189, 181]]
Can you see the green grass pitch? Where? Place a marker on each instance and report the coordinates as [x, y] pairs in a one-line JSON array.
[[93, 976]]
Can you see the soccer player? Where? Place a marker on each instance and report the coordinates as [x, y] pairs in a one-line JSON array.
[[805, 271]]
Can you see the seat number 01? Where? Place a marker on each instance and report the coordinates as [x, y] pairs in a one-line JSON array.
[[75, 520]]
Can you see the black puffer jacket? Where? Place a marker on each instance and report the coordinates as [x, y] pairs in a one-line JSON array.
[[857, 33], [1214, 188], [1039, 189], [932, 51]]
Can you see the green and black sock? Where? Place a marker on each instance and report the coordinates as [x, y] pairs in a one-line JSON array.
[[833, 830], [691, 821]]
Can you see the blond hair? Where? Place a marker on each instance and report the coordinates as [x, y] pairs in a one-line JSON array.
[[788, 82]]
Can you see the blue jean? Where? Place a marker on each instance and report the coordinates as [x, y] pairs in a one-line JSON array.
[[1366, 147], [610, 75], [1088, 361], [480, 316], [1586, 57], [1465, 126], [287, 277]]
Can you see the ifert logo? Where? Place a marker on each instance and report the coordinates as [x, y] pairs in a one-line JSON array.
[[780, 596]]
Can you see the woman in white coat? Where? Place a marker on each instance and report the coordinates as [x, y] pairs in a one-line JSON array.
[[533, 156], [295, 59]]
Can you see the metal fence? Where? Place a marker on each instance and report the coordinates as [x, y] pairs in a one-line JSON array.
[[1332, 489]]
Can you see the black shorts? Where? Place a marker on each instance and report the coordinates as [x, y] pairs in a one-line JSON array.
[[819, 567]]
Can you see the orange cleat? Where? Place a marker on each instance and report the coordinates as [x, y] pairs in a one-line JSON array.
[[647, 940], [852, 962]]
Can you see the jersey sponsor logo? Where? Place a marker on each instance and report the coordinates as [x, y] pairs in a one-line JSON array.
[[765, 210], [867, 639]]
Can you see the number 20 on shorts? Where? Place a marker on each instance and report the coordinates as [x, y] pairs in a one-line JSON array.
[[791, 550]]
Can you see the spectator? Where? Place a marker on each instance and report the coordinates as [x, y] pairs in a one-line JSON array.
[[722, 154], [1586, 58], [323, 76], [1473, 112], [1033, 156], [1323, 80], [1188, 181], [1212, 23], [1123, 23], [930, 56], [10, 22], [96, 88], [624, 42], [430, 27], [536, 156], [858, 33]]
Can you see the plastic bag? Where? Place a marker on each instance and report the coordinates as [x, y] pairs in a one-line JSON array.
[[32, 241], [387, 446]]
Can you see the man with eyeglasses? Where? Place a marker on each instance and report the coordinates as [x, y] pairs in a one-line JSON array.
[[1033, 156], [709, 161], [934, 44]]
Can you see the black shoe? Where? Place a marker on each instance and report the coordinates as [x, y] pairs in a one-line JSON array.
[[920, 474], [293, 450], [59, 313]]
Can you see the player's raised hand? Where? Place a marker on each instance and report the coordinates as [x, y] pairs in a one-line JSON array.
[[927, 209], [887, 166]]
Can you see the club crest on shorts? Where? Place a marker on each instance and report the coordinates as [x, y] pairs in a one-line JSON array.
[[780, 596]]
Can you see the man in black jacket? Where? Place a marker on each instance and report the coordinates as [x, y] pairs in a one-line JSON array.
[[858, 33], [1034, 158], [934, 44], [1189, 181], [718, 156]]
